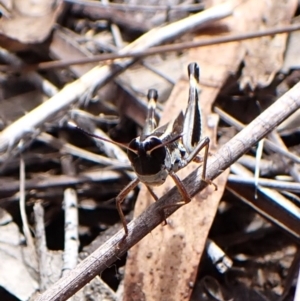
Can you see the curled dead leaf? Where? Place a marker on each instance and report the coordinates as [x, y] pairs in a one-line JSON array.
[[28, 22]]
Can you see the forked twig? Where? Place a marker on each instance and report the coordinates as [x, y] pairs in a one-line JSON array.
[[115, 247]]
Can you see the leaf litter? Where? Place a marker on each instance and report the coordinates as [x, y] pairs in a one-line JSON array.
[[71, 181]]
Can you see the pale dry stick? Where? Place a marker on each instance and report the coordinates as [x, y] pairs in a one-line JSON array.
[[70, 203], [266, 166], [71, 239], [267, 183], [98, 76], [273, 146], [114, 28], [67, 148], [218, 257], [115, 247], [47, 87], [82, 119], [61, 180], [273, 196], [40, 242], [110, 149], [258, 157]]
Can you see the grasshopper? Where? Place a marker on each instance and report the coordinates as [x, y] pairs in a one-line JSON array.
[[162, 151]]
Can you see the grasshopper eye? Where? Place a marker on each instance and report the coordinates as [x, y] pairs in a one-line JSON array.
[[149, 156], [152, 143], [133, 145], [152, 149]]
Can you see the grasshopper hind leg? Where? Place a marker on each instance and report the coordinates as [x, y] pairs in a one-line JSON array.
[[186, 198], [185, 195], [193, 156], [206, 152]]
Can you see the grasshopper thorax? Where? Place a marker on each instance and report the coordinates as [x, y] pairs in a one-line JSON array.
[[147, 158]]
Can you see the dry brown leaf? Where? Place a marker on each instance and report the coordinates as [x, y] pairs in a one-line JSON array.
[[163, 260], [264, 56], [164, 265], [292, 58], [27, 22]]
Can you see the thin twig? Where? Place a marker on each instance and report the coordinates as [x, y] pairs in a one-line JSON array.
[[139, 7], [161, 49], [115, 247], [22, 203]]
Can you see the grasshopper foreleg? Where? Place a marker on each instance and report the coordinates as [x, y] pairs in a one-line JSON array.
[[120, 198]]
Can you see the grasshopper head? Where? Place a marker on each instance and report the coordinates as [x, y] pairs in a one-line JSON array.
[[148, 159]]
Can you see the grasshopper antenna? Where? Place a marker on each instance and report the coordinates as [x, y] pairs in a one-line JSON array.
[[73, 125]]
